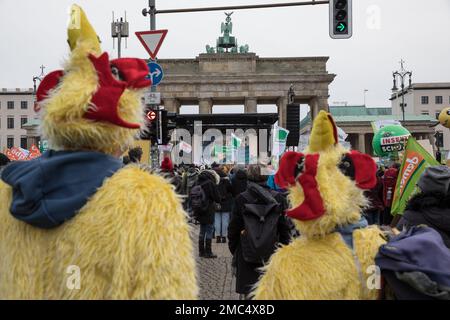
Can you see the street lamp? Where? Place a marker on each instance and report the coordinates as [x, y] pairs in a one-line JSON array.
[[402, 74], [36, 78]]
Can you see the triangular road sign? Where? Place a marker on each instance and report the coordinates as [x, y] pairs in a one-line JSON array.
[[152, 40]]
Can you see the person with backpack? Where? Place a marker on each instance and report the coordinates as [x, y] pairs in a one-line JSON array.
[[204, 197], [257, 226], [222, 216]]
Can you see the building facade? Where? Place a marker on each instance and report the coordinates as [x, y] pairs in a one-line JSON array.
[[425, 99], [244, 79], [16, 109]]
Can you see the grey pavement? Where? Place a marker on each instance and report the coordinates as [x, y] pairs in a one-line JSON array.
[[215, 275]]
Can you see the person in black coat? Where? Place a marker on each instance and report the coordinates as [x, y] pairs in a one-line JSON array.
[[222, 216], [239, 182], [247, 274], [208, 181], [431, 206]]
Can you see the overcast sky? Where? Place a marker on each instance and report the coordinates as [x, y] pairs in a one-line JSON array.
[[385, 31]]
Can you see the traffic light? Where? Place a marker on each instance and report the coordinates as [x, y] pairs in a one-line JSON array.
[[341, 19], [151, 124], [168, 122]]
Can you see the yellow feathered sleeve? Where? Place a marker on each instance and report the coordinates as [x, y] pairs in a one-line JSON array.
[[155, 255], [130, 241]]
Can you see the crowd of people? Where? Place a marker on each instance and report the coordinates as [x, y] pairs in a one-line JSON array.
[[238, 203]]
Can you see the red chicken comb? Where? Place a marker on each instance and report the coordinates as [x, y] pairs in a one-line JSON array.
[[365, 170], [133, 71], [285, 176]]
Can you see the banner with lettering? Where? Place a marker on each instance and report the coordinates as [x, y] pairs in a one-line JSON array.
[[19, 153], [11, 156], [34, 152], [415, 160]]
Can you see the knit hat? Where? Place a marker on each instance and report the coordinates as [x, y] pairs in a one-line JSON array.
[[435, 179], [166, 165]]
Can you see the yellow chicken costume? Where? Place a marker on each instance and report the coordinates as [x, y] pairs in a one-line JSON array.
[[332, 258], [74, 223]]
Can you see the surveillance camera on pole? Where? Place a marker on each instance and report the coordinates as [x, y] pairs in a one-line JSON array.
[[341, 22]]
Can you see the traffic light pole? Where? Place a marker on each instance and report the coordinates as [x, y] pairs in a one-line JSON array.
[[254, 6], [155, 156], [152, 14]]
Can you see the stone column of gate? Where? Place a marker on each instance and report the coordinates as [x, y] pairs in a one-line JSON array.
[[205, 106], [172, 105], [362, 142], [316, 104], [282, 105], [251, 105], [432, 141]]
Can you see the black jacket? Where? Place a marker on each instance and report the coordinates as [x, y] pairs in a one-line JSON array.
[[225, 192], [247, 274], [432, 210], [239, 182], [210, 188]]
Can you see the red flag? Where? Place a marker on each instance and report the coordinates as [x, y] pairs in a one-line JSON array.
[[34, 152], [18, 153], [11, 156]]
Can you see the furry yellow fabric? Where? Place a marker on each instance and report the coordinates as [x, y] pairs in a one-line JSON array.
[[130, 241], [322, 136], [319, 264], [62, 112], [80, 29], [343, 200], [322, 268]]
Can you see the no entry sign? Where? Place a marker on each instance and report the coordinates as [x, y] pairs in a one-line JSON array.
[[151, 115]]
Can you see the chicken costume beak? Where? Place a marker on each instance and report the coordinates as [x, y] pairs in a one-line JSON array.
[[80, 29], [323, 134]]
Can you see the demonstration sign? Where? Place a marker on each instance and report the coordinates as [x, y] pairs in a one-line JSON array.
[[415, 161]]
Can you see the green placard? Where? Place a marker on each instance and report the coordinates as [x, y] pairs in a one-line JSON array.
[[415, 160]]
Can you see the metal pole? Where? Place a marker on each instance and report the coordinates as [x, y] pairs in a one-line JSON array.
[[152, 6], [256, 6], [403, 98], [119, 42]]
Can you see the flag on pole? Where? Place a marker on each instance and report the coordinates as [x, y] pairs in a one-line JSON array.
[[235, 141], [279, 140], [281, 134], [415, 160]]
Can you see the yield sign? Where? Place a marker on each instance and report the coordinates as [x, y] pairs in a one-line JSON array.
[[152, 40]]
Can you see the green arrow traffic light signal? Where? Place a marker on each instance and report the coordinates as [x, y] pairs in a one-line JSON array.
[[341, 27]]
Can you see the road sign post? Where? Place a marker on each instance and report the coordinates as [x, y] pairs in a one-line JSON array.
[[156, 73], [152, 41]]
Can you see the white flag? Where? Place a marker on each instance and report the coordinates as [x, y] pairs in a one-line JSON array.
[[185, 147]]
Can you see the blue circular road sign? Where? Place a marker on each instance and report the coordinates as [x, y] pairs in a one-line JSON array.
[[156, 73]]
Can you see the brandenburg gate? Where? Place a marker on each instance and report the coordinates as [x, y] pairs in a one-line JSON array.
[[244, 79]]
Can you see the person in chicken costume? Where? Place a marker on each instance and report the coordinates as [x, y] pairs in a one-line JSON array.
[[333, 256], [74, 223]]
